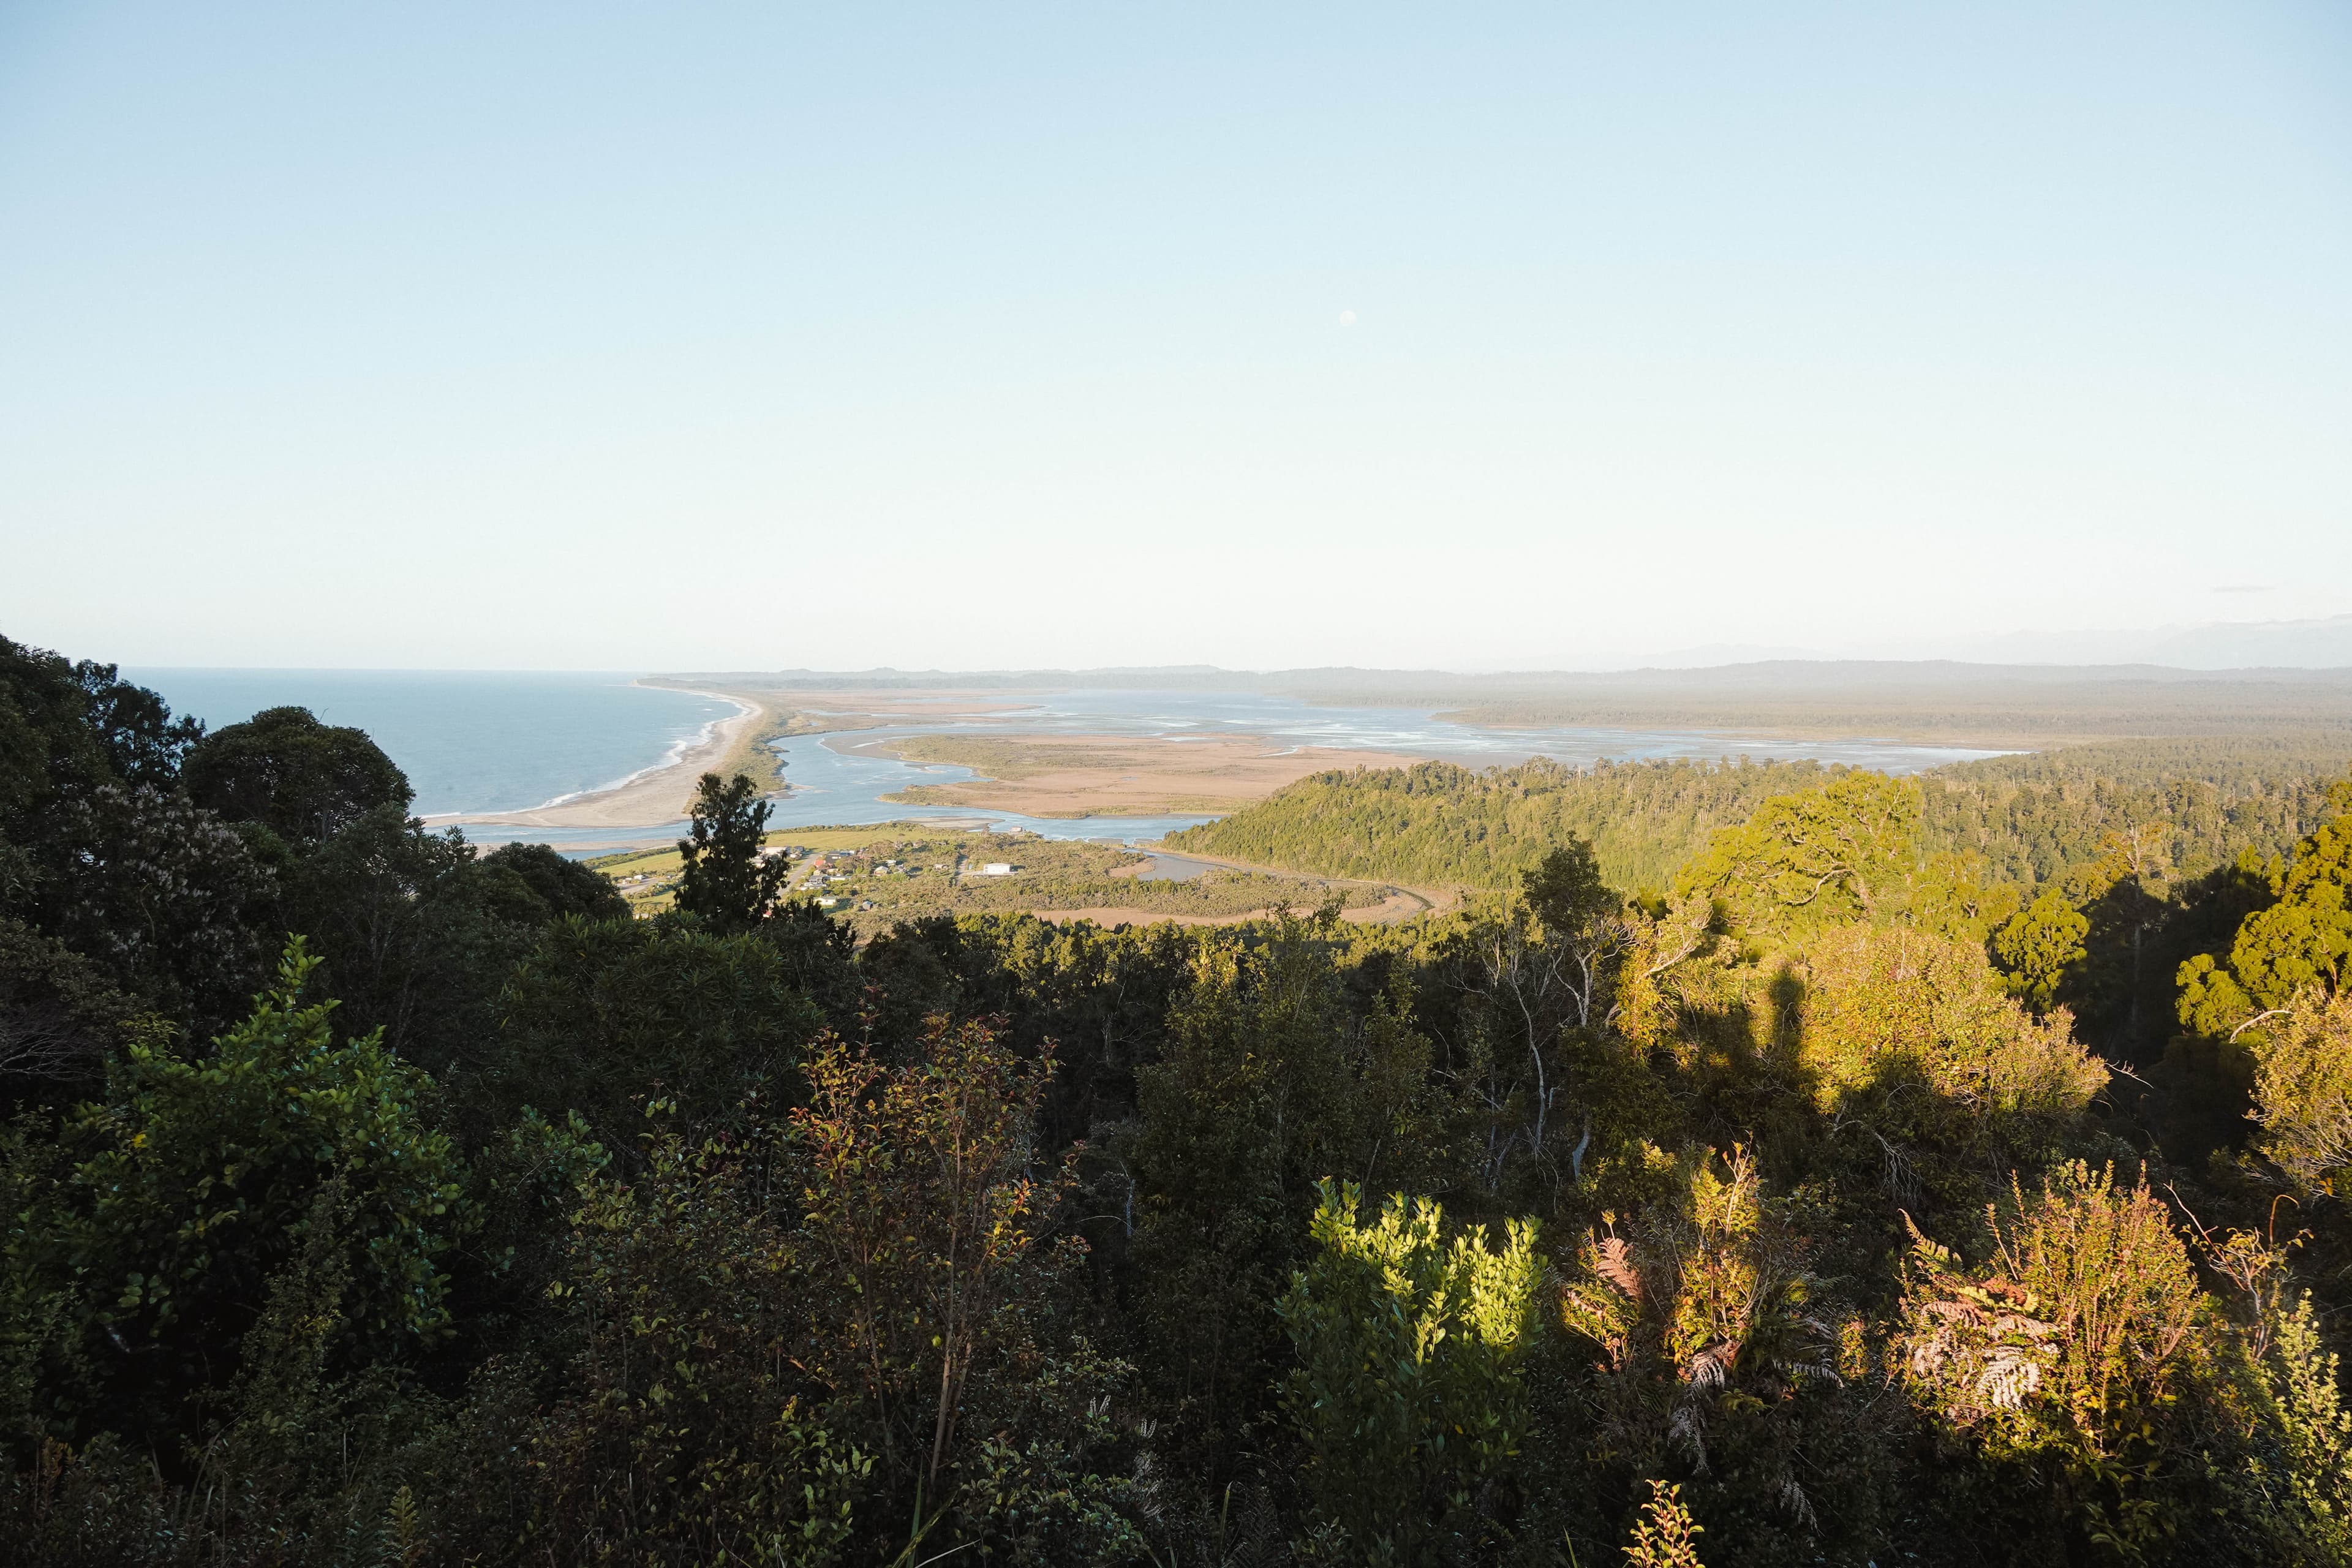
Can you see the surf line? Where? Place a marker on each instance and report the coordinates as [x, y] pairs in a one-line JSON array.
[[680, 749]]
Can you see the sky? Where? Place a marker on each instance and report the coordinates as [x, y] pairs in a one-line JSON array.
[[766, 335]]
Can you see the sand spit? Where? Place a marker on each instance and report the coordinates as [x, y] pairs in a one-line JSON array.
[[656, 796]]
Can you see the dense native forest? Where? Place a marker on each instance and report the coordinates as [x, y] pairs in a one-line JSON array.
[[1762, 1166], [2028, 820]]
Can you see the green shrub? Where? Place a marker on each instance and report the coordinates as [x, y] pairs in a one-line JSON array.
[[1408, 1393]]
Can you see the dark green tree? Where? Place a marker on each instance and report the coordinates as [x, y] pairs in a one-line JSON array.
[[66, 727], [1581, 920], [205, 1170], [416, 933], [161, 892], [303, 780], [608, 1014], [1268, 1080], [727, 882], [1565, 891], [101, 850], [531, 882], [60, 1019]]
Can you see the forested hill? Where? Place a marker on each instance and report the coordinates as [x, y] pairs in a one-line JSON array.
[[1439, 824], [2033, 818]]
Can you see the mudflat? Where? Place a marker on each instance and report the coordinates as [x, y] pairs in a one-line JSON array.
[[1071, 776]]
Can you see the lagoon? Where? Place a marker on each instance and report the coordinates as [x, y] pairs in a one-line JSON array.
[[832, 785], [492, 740]]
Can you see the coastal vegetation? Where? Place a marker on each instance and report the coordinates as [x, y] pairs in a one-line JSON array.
[[1925, 700], [1000, 758], [1955, 703], [752, 754], [2023, 820], [1440, 824], [647, 878], [870, 877], [873, 887], [1764, 1165]]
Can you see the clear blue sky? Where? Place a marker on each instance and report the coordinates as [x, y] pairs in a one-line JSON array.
[[683, 336]]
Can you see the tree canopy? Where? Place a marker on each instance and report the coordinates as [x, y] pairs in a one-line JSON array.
[[303, 780], [1758, 1165], [727, 882]]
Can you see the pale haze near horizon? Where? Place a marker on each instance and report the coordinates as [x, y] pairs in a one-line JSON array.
[[742, 337]]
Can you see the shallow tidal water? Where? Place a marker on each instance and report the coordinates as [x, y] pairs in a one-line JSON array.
[[484, 741]]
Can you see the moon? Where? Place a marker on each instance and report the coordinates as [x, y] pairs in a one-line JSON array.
[[1347, 318]]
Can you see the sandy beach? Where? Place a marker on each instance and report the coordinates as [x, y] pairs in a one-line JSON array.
[[658, 795], [1057, 774], [1050, 775]]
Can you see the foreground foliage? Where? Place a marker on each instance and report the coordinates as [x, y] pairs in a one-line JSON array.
[[1942, 1172]]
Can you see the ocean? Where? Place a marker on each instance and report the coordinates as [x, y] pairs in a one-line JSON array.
[[469, 739]]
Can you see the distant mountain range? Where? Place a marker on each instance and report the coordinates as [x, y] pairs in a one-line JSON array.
[[2323, 644], [2146, 655]]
